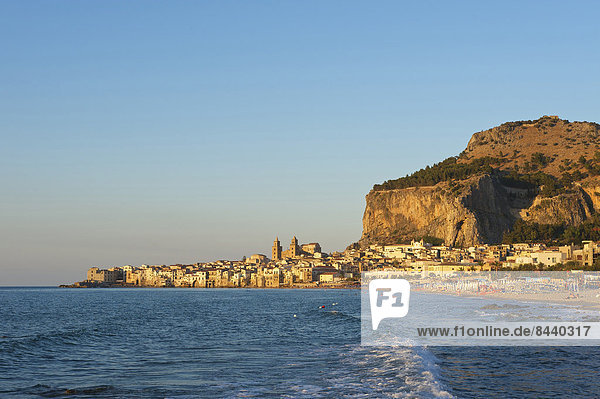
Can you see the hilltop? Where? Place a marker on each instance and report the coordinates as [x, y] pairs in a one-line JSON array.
[[536, 179], [549, 144]]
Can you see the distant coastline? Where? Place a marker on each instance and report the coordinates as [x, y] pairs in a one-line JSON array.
[[343, 286], [307, 266]]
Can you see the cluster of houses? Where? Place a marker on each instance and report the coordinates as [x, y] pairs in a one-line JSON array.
[[420, 256], [226, 274], [299, 266], [307, 266]]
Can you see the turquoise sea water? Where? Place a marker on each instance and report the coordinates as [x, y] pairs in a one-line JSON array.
[[195, 343]]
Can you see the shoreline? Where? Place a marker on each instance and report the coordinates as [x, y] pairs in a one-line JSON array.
[[312, 287]]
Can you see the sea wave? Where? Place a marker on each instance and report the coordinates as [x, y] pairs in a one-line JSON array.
[[397, 372], [47, 391]]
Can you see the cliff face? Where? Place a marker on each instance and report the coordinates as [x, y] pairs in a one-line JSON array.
[[571, 209], [480, 213], [481, 208]]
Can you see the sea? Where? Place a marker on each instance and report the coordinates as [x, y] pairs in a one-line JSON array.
[[230, 343]]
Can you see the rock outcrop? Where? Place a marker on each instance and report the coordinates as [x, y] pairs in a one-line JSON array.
[[571, 209], [482, 212], [481, 208]]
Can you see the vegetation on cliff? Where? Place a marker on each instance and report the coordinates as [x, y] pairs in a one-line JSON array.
[[557, 234], [448, 169], [532, 177]]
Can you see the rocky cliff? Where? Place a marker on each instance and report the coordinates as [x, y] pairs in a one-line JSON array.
[[466, 201]]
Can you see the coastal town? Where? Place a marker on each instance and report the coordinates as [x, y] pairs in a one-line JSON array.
[[308, 266]]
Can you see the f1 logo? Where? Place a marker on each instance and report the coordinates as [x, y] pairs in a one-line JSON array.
[[389, 298]]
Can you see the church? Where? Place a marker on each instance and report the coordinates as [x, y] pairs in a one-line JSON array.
[[294, 251]]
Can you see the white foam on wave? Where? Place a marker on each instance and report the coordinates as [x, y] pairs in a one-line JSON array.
[[398, 371], [366, 372]]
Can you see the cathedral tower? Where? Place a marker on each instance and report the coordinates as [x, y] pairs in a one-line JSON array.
[[276, 250], [294, 248]]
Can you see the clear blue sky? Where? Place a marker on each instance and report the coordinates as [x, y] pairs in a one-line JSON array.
[[182, 131]]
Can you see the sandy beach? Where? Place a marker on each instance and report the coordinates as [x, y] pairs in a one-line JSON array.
[[588, 299]]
